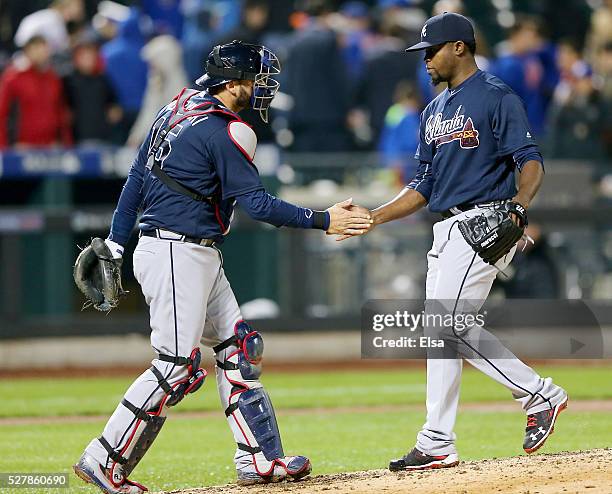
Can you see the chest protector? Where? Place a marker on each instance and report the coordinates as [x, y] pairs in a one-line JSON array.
[[179, 114]]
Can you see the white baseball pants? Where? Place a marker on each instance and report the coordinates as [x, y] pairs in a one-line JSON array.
[[190, 301], [454, 271]]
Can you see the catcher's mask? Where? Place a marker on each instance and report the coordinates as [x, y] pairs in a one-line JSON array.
[[238, 61]]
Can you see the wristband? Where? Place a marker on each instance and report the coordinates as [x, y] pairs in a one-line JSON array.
[[320, 220], [115, 248]]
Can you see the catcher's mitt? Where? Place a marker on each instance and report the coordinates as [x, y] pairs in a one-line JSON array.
[[493, 233], [98, 276]]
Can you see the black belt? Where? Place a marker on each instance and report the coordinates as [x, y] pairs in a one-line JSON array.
[[462, 208], [177, 237]]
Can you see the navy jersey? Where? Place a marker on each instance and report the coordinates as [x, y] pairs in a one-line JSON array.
[[203, 154], [472, 139]]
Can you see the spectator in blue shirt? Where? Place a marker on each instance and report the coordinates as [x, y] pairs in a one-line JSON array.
[[204, 22], [315, 75], [166, 14], [400, 135], [528, 68], [356, 36], [127, 71]]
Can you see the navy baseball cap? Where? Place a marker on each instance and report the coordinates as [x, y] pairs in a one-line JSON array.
[[444, 28]]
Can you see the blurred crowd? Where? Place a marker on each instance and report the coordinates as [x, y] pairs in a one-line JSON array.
[[91, 72]]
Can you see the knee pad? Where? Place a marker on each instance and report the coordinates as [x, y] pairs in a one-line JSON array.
[[147, 423], [244, 363], [194, 380]]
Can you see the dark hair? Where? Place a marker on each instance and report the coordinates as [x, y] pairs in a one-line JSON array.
[[406, 89], [572, 43], [256, 4], [216, 89], [471, 46], [315, 8], [525, 21]]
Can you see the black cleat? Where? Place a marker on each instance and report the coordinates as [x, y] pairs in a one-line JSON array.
[[541, 425], [415, 460]]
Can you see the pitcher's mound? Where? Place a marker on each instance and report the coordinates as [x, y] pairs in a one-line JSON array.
[[573, 472]]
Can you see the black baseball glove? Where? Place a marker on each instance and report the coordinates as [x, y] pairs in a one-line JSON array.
[[98, 276], [493, 233]]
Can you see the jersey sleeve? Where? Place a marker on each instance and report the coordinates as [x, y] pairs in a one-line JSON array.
[[424, 150], [130, 199], [423, 181], [510, 126], [262, 206], [231, 151], [529, 153]]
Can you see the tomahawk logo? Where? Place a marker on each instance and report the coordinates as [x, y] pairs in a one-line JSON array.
[[453, 129]]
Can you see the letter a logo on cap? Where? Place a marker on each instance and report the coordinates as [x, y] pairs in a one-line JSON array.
[[424, 31]]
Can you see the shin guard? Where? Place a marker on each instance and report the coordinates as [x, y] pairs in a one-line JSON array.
[[148, 421], [248, 406]]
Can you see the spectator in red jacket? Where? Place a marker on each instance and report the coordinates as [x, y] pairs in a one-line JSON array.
[[32, 106]]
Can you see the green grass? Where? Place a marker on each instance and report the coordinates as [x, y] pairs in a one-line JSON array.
[[191, 452], [198, 451], [94, 396]]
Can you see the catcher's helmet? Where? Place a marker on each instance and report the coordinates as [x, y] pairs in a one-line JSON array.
[[238, 61]]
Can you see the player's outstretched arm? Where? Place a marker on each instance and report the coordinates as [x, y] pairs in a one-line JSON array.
[[411, 199], [405, 203], [408, 201], [340, 217]]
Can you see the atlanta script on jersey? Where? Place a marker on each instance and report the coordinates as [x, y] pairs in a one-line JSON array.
[[456, 128], [468, 143]]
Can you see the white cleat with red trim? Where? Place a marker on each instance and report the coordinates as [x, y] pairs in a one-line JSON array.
[[89, 470], [286, 468]]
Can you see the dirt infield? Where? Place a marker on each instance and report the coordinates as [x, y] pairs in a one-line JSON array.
[[576, 472]]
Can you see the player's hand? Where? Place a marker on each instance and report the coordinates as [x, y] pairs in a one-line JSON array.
[[518, 221], [340, 238], [348, 219]]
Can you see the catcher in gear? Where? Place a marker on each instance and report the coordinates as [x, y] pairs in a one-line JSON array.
[[474, 138], [194, 167]]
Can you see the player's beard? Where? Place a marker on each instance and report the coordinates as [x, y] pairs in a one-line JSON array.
[[244, 98], [435, 78]]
